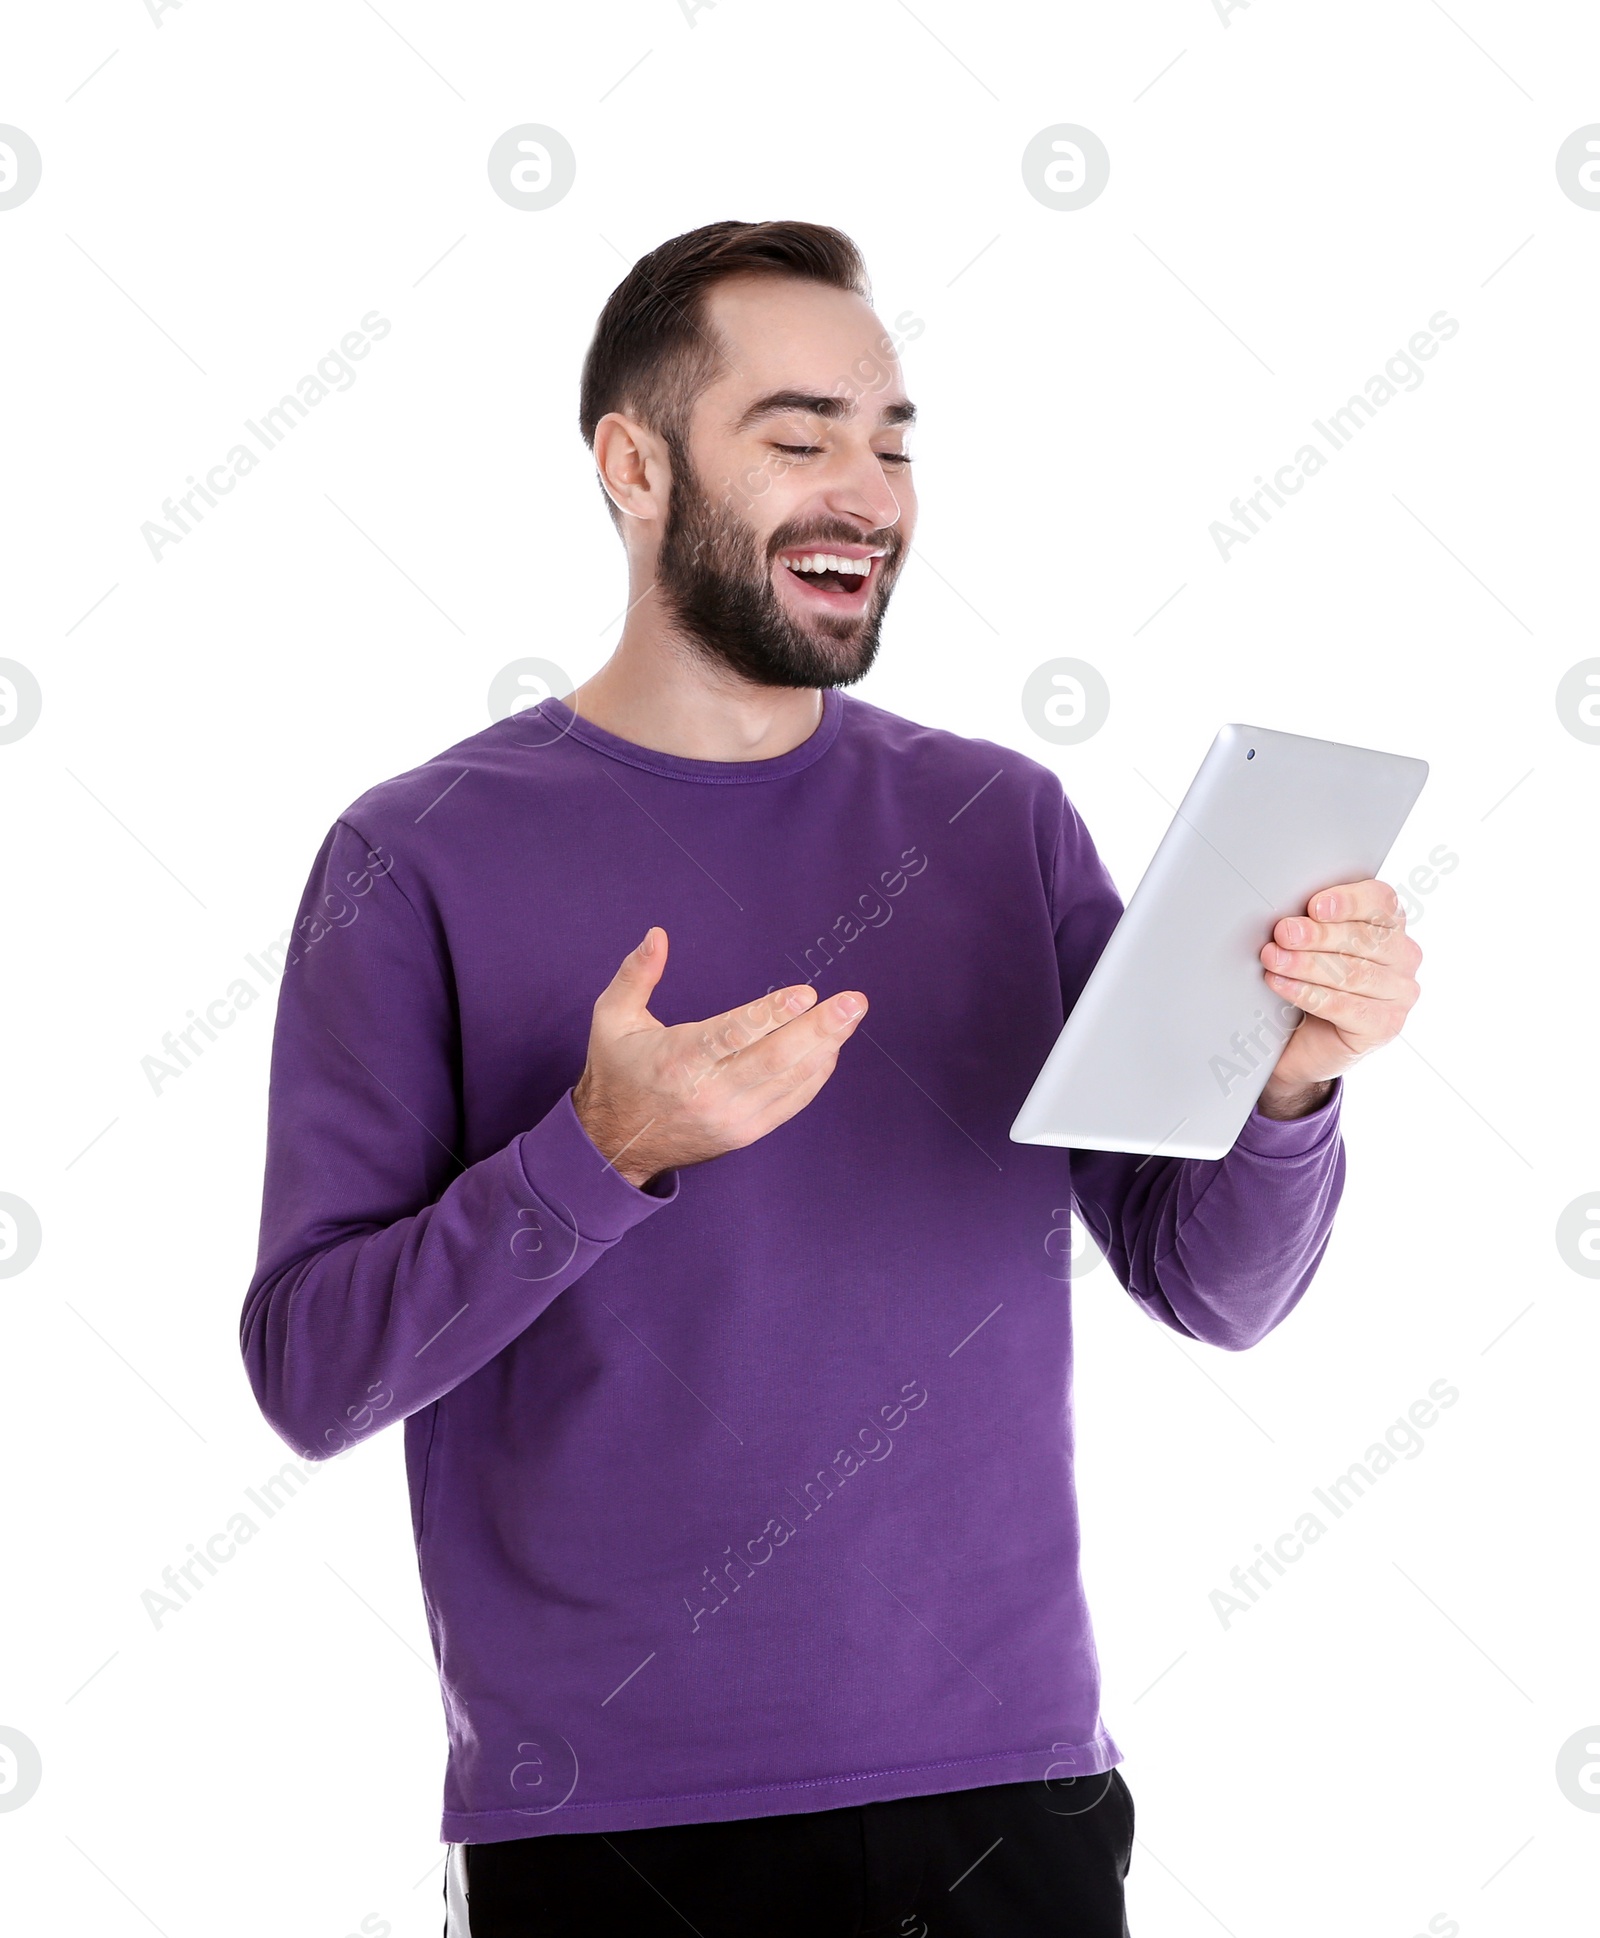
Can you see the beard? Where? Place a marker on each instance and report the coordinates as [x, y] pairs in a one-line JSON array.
[[715, 579]]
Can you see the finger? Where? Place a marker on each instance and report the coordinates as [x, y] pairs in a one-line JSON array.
[[1368, 930], [1363, 1018], [625, 999], [1370, 908], [1358, 975], [1373, 940], [706, 1046], [771, 1100], [1362, 901], [792, 1054]]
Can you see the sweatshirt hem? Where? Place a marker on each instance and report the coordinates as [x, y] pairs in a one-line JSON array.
[[799, 1795]]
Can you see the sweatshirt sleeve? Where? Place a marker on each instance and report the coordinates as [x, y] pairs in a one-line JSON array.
[[1221, 1249], [390, 1270]]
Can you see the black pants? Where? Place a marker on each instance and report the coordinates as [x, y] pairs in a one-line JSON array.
[[1010, 1858]]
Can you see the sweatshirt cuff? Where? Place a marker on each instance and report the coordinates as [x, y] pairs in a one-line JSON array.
[[1292, 1136], [562, 1165]]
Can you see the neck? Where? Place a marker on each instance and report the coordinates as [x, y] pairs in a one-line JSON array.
[[656, 692]]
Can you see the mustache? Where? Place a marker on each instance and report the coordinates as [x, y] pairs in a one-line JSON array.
[[891, 541]]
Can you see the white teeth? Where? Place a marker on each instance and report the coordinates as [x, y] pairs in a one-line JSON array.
[[827, 562]]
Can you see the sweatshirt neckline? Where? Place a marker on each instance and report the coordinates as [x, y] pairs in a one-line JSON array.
[[715, 772]]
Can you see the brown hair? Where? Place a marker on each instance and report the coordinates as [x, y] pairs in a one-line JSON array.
[[653, 353]]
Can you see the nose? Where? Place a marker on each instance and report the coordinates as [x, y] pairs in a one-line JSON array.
[[862, 493]]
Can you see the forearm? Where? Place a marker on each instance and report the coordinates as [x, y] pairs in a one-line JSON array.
[[360, 1331]]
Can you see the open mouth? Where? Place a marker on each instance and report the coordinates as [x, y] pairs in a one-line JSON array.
[[836, 578]]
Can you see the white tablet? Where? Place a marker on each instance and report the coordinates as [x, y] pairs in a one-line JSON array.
[[1177, 1029]]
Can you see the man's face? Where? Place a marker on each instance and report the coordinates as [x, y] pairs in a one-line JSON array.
[[796, 453]]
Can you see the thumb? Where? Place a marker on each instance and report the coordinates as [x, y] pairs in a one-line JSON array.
[[627, 997]]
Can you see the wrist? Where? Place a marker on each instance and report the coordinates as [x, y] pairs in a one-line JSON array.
[[603, 1134], [1294, 1100]]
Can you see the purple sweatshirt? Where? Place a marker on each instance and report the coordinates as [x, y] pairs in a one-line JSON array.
[[750, 1491]]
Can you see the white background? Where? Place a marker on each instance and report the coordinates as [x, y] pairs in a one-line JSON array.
[[224, 196]]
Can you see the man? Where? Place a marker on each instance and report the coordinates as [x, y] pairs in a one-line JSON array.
[[724, 1318]]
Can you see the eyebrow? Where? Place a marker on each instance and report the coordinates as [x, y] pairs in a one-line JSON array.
[[776, 403]]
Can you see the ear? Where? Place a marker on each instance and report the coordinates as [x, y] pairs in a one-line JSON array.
[[633, 465]]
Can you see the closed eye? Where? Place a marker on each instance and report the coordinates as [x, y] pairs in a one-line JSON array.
[[811, 450]]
